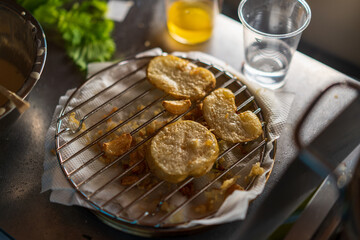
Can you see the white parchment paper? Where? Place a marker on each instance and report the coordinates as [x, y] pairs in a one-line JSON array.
[[275, 108]]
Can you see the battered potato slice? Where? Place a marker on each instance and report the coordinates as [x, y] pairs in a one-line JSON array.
[[219, 111], [182, 149], [180, 78], [118, 146], [177, 106]]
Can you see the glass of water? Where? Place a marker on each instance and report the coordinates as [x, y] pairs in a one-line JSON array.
[[272, 30]]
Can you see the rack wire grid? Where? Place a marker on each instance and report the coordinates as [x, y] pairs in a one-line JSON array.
[[119, 99]]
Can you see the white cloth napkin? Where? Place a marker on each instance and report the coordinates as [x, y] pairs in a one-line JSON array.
[[118, 10], [275, 107]]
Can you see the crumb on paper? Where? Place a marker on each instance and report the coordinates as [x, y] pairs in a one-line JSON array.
[[142, 132], [106, 160], [111, 125], [256, 170], [228, 183], [118, 146], [87, 139], [336, 96], [53, 151], [114, 109], [138, 155], [153, 126], [98, 134], [188, 190], [166, 207], [177, 217], [245, 148], [174, 218], [194, 114], [140, 107], [129, 180], [135, 157], [74, 121], [148, 183], [233, 188], [219, 164], [157, 111], [134, 125], [201, 208], [213, 174], [214, 198]]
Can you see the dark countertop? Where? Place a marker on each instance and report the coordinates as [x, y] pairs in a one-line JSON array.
[[27, 214]]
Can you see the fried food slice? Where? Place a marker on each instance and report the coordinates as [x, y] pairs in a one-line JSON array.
[[256, 170], [176, 107], [118, 146], [181, 149], [219, 111], [179, 77]]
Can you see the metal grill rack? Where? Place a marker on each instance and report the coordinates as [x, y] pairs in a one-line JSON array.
[[125, 86]]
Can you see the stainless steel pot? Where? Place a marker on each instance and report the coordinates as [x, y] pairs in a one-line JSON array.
[[22, 43]]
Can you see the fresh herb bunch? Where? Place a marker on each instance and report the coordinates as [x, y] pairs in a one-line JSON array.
[[82, 26]]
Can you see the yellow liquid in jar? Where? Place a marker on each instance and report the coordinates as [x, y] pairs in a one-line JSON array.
[[190, 22]]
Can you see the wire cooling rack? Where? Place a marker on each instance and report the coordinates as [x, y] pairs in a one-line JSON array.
[[119, 99]]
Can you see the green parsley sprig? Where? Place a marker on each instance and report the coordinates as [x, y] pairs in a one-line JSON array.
[[82, 26]]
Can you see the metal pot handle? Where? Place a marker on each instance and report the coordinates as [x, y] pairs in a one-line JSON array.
[[299, 126]]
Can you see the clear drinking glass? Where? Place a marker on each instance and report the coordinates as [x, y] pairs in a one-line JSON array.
[[272, 30], [191, 21]]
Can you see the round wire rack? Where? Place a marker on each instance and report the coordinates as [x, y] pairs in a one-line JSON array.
[[125, 194]]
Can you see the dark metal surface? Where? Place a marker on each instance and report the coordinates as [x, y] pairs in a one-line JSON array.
[[27, 214]]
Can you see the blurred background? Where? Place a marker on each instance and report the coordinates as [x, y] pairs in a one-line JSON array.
[[333, 36]]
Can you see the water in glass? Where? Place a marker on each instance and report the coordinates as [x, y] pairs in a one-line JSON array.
[[267, 61]]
